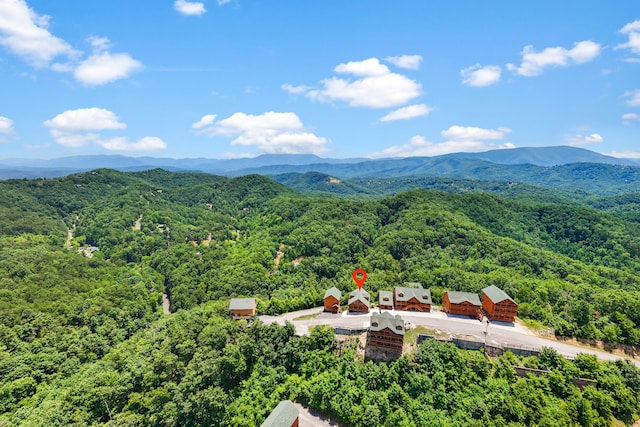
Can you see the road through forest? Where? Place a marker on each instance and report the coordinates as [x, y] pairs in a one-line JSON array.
[[496, 333]]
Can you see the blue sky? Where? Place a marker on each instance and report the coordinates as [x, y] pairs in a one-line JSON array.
[[358, 78]]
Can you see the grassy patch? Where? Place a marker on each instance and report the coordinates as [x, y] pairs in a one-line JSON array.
[[307, 316], [411, 336]]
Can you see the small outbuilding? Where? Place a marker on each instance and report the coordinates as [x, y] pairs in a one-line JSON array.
[[385, 300], [332, 300], [462, 303], [359, 301], [283, 415], [386, 332], [412, 299], [497, 305], [242, 307]]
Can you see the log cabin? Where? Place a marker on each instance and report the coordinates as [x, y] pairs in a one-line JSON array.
[[359, 301], [386, 332], [332, 300], [385, 300], [283, 415], [497, 305], [412, 299], [242, 307], [462, 303]]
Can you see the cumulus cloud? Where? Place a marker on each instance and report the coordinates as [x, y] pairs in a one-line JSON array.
[[631, 30], [372, 85], [103, 66], [6, 128], [633, 97], [204, 121], [471, 133], [625, 154], [85, 119], [296, 90], [582, 140], [78, 128], [270, 132], [460, 139], [480, 76], [407, 113], [410, 62], [629, 118], [190, 7], [26, 34], [6, 125], [148, 143], [533, 63]]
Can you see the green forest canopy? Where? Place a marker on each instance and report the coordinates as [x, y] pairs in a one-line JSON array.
[[83, 341]]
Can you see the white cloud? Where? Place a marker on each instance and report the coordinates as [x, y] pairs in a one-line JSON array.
[[223, 2], [6, 129], [373, 86], [85, 119], [632, 30], [633, 97], [420, 146], [73, 139], [480, 76], [459, 139], [99, 44], [206, 120], [471, 133], [6, 125], [270, 132], [104, 67], [629, 118], [26, 34], [406, 113], [366, 68], [534, 63], [296, 90], [148, 143], [78, 128], [625, 154], [582, 140], [410, 62], [189, 7]]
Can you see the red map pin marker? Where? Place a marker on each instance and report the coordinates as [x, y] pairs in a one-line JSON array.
[[359, 276]]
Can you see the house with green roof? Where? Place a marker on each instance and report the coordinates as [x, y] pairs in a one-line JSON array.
[[359, 301], [385, 300], [462, 303], [386, 332], [332, 299], [497, 305], [412, 299], [283, 415], [242, 307]]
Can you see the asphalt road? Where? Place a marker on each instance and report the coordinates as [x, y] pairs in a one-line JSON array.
[[514, 335]]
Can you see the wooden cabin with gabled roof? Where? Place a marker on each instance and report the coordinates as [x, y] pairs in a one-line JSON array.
[[284, 415], [242, 307], [412, 299], [332, 300], [386, 332], [385, 300], [462, 303], [359, 301], [497, 305]]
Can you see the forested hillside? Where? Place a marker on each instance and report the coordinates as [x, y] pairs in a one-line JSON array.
[[83, 339]]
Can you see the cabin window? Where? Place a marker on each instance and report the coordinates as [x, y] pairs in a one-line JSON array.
[[401, 294], [374, 324]]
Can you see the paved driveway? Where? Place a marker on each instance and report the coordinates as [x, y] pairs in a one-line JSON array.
[[514, 335]]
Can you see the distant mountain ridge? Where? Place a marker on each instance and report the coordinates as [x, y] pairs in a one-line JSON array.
[[270, 164]]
